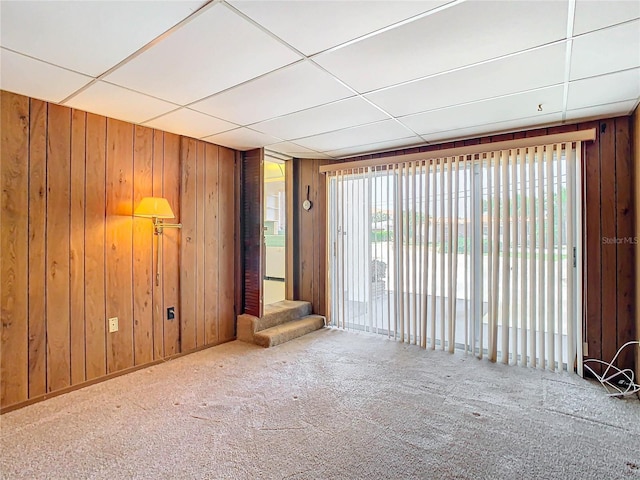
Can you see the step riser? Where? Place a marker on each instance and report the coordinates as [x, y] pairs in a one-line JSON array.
[[307, 325], [270, 319]]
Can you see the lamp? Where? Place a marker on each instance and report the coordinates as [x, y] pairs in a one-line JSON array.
[[158, 209]]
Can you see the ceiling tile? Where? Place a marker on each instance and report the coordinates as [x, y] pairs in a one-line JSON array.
[[190, 123], [214, 51], [544, 66], [323, 24], [25, 76], [512, 107], [377, 147], [605, 51], [362, 135], [591, 15], [117, 102], [88, 37], [466, 33], [297, 87], [603, 111], [289, 148], [242, 139], [342, 114], [611, 88], [494, 128]]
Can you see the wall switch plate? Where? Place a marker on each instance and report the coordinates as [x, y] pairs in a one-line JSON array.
[[113, 324], [585, 349], [171, 313]]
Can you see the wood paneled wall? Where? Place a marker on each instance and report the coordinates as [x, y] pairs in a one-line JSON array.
[[208, 245], [308, 258], [609, 248], [73, 256], [610, 295], [636, 205]]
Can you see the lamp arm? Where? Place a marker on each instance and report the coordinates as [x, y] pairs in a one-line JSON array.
[[159, 225]]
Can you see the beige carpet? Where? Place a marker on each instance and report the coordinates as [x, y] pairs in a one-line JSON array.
[[331, 404]]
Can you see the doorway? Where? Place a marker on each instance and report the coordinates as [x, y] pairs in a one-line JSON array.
[[274, 227]]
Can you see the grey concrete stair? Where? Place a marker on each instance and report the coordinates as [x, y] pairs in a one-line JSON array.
[[280, 322], [288, 331]]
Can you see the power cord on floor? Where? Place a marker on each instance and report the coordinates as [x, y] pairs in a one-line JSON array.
[[617, 382]]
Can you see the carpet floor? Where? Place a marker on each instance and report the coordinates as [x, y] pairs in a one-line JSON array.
[[331, 404]]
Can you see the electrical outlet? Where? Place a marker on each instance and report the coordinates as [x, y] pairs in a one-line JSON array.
[[113, 324], [171, 313]]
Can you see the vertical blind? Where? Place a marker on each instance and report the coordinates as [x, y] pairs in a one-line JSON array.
[[477, 252]]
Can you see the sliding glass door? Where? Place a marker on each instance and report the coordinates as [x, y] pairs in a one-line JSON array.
[[476, 252]]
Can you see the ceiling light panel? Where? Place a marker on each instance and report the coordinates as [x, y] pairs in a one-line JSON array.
[[544, 66], [511, 107], [190, 123], [320, 25], [605, 51], [117, 102], [26, 76], [88, 37], [377, 147], [362, 135], [464, 34], [591, 15], [242, 139], [494, 128], [296, 87], [214, 51], [342, 114], [615, 87], [602, 111]]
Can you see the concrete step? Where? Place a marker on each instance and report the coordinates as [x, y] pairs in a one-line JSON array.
[[282, 333]]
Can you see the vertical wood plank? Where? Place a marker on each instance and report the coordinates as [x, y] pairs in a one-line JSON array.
[[290, 246], [592, 246], [37, 247], [211, 236], [171, 241], [119, 280], [316, 221], [78, 162], [226, 251], [237, 245], [58, 273], [188, 251], [94, 254], [142, 248], [305, 223], [608, 310], [321, 238], [201, 288], [625, 248], [157, 274], [636, 205], [14, 181]]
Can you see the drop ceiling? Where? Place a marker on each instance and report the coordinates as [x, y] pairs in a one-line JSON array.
[[327, 79]]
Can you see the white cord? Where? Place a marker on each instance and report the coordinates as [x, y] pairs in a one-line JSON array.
[[613, 389]]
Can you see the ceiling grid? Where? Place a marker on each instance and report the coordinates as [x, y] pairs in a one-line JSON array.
[[327, 79]]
